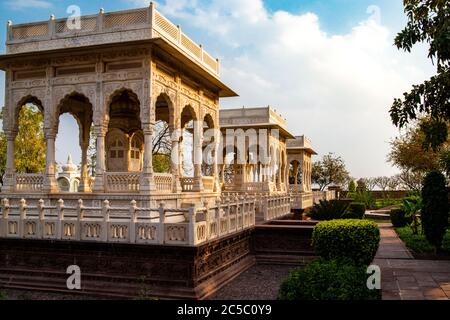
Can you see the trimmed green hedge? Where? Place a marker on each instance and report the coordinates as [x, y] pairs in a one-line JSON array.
[[356, 240], [356, 211], [328, 280], [398, 218]]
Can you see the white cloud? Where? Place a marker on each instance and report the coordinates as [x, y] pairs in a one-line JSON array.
[[28, 4], [336, 89]]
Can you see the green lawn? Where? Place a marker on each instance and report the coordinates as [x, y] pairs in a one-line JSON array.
[[418, 243], [382, 203]]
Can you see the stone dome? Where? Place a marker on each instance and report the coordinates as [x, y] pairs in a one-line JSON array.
[[69, 166]]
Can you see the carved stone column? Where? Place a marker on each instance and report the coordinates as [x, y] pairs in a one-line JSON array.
[[147, 182], [304, 177], [198, 156], [9, 183], [50, 185], [100, 167], [295, 173], [84, 181], [216, 160], [175, 160]]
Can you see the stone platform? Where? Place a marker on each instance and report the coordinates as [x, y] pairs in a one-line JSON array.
[[144, 271]]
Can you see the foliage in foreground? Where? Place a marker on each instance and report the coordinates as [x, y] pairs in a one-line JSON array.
[[427, 23], [328, 280], [356, 240]]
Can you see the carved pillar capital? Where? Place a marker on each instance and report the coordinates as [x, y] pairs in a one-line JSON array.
[[147, 128], [100, 130], [49, 134]]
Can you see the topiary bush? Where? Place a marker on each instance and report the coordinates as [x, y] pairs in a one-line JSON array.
[[399, 218], [435, 208], [328, 210], [356, 211], [328, 280], [356, 240]]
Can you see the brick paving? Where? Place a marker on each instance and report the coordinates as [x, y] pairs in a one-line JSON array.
[[406, 278]]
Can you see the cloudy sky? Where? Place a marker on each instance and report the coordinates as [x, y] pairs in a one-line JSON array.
[[329, 67]]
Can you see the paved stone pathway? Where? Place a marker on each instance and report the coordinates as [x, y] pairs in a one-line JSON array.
[[405, 278]]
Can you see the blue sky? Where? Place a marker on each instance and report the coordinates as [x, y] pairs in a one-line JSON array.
[[328, 66]]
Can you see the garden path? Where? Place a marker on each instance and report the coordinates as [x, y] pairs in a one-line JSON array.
[[406, 278]]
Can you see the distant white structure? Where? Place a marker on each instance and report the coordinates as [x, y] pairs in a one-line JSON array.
[[69, 178]]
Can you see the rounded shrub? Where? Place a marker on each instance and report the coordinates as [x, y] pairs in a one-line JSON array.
[[328, 280], [435, 208], [355, 211], [399, 218], [356, 240]]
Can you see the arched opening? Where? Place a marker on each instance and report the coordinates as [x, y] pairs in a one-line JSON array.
[[66, 141], [136, 151], [124, 140], [116, 150], [29, 144], [188, 118], [75, 114], [162, 144], [63, 184]]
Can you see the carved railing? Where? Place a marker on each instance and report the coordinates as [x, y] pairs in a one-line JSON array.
[[163, 181], [208, 184], [131, 224], [122, 182], [255, 187], [174, 34], [274, 206], [121, 21], [187, 184], [302, 200], [29, 182], [323, 195]]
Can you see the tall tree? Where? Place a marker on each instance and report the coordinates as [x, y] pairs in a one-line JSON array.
[[29, 145], [435, 211], [330, 170], [428, 21]]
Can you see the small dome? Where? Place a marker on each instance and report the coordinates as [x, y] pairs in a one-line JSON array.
[[69, 166]]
